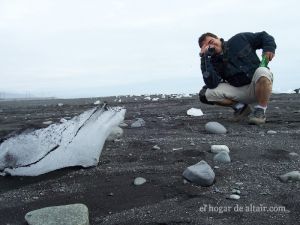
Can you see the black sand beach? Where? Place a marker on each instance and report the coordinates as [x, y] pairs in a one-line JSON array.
[[258, 158]]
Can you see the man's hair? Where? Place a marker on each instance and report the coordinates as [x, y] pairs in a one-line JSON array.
[[203, 36]]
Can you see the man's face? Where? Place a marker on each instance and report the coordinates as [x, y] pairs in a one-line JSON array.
[[211, 42]]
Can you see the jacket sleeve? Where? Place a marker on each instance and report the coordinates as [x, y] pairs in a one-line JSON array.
[[210, 76], [261, 40]]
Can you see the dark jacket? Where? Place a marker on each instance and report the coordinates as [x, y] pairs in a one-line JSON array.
[[239, 60]]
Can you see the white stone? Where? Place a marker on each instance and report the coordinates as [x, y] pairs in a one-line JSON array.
[[48, 122], [194, 112], [271, 132], [219, 148], [75, 214], [139, 181], [147, 98], [290, 176], [60, 104], [234, 197], [155, 147], [215, 128], [200, 173], [98, 102], [155, 99], [139, 122]]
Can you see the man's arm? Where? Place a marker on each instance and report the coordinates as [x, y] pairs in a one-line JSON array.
[[210, 76], [262, 40]]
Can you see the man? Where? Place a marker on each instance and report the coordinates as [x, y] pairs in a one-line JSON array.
[[233, 76]]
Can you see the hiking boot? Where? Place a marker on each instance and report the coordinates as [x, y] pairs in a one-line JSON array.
[[257, 117], [241, 113]]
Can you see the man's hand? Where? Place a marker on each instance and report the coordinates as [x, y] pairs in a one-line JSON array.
[[207, 50], [269, 55]]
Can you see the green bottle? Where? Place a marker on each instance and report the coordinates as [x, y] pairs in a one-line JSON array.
[[264, 61]]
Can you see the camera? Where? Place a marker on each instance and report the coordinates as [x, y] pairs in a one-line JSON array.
[[210, 51]]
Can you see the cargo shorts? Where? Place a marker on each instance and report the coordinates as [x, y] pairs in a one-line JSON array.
[[244, 94]]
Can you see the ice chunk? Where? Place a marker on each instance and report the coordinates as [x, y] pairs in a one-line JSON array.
[[75, 142]]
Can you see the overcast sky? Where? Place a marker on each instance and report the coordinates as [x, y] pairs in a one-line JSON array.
[[82, 48]]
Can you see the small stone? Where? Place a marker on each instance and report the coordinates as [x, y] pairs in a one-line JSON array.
[[48, 122], [222, 157], [216, 167], [219, 148], [75, 214], [236, 191], [200, 173], [271, 132], [234, 197], [239, 183], [111, 194], [194, 112], [139, 122], [139, 181], [215, 128], [60, 104], [123, 124], [294, 155], [98, 102], [155, 147], [290, 176]]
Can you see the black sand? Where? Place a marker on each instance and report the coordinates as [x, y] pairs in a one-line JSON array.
[[258, 159]]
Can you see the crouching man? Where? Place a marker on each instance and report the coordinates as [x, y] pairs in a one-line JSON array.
[[233, 75]]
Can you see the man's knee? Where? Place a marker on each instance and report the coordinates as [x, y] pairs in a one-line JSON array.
[[202, 96]]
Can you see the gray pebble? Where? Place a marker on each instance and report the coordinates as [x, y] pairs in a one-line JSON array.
[[139, 181], [271, 132], [290, 176], [215, 128], [222, 157], [139, 122]]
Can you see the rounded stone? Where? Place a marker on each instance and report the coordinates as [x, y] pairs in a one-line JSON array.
[[139, 181], [215, 128], [219, 148], [234, 197]]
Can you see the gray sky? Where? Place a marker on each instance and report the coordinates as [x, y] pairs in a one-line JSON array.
[[81, 48]]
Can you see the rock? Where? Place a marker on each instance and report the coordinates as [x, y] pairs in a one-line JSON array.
[[75, 214], [155, 147], [271, 132], [290, 176], [98, 102], [194, 112], [48, 122], [222, 157], [60, 104], [219, 148], [117, 132], [155, 99], [139, 181], [236, 191], [215, 128], [139, 122], [200, 173], [234, 197], [123, 124], [294, 155]]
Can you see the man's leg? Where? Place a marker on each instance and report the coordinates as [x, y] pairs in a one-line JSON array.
[[229, 96], [262, 82]]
